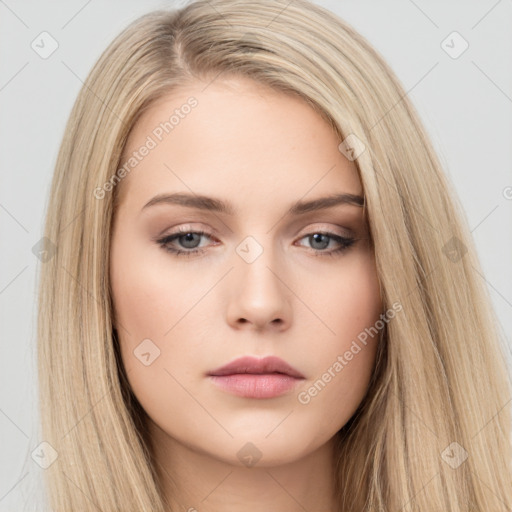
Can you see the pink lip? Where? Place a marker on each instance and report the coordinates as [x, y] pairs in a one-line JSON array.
[[251, 377]]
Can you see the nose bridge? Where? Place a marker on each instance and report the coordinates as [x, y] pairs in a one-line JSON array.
[[258, 261], [259, 293]]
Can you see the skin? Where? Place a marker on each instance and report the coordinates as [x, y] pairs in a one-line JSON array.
[[261, 150]]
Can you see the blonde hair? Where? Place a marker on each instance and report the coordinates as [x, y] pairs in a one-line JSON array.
[[440, 376]]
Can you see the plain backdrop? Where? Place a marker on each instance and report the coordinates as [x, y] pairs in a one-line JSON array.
[[464, 102]]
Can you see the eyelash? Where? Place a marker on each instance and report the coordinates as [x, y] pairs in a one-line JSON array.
[[345, 242]]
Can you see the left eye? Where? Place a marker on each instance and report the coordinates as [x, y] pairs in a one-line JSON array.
[[344, 243], [322, 239], [190, 240]]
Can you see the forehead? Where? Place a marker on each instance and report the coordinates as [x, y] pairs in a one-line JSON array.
[[235, 136]]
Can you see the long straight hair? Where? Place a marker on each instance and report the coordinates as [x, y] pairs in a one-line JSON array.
[[433, 431]]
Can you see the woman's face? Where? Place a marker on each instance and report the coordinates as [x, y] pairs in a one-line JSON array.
[[274, 274]]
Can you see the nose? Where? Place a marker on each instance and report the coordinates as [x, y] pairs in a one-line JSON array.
[[260, 295]]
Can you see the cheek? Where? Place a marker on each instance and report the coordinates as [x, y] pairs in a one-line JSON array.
[[358, 304], [342, 368], [150, 296], [151, 304], [346, 299]]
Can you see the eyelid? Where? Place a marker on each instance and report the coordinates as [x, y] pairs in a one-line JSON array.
[[318, 227], [212, 232], [188, 226]]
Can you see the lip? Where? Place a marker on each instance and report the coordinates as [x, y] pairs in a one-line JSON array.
[[252, 377]]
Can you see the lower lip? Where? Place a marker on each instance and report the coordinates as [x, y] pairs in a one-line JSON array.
[[268, 385]]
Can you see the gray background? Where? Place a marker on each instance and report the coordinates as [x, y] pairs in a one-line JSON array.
[[465, 103]]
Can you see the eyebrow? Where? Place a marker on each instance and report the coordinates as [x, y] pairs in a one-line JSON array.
[[212, 204]]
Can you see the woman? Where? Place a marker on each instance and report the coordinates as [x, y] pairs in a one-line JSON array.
[[264, 293]]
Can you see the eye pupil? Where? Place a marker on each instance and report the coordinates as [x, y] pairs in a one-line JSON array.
[[317, 237], [189, 237]]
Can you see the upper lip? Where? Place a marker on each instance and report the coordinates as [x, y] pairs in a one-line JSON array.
[[254, 365]]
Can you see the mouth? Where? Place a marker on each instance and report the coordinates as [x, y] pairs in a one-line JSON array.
[[250, 377]]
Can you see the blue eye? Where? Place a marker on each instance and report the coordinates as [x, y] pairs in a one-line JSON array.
[[343, 242], [190, 240]]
